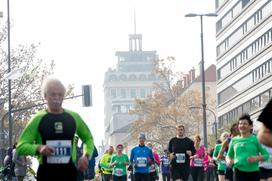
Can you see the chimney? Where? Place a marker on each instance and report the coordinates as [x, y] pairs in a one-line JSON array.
[[189, 78], [185, 81], [193, 74]]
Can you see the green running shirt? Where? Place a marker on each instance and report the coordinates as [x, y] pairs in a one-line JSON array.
[[47, 127], [221, 164], [120, 168], [242, 148]]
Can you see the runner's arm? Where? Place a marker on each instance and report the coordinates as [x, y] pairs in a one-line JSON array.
[[223, 149], [85, 135], [30, 138], [264, 154]]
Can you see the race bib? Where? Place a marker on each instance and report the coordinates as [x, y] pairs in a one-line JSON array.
[[197, 162], [152, 168], [180, 157], [119, 172], [165, 162], [141, 162], [62, 153]]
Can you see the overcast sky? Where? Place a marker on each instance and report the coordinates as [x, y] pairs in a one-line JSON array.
[[82, 37]]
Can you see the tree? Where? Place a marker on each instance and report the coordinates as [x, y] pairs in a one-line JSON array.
[[25, 91], [159, 113]]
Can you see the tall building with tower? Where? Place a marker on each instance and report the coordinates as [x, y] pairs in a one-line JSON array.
[[244, 58], [134, 77]]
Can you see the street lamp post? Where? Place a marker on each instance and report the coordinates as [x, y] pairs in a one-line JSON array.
[[203, 72], [9, 81], [213, 113]]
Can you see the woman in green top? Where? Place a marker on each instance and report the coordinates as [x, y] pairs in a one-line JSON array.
[[119, 161], [245, 152], [221, 163]]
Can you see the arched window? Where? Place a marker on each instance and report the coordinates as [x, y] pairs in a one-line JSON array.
[[151, 77], [132, 77], [123, 77], [142, 77], [112, 78]]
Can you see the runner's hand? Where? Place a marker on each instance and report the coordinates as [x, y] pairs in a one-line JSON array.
[[220, 157], [252, 159], [172, 156], [83, 163], [45, 150], [189, 152], [229, 162]]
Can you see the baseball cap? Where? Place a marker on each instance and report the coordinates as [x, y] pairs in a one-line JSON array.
[[119, 145]]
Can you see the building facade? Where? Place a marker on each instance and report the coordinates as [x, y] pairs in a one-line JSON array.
[[192, 83], [244, 58], [133, 78]]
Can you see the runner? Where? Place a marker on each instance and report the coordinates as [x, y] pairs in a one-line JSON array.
[[50, 135], [180, 149], [119, 161], [266, 166], [209, 166], [153, 167], [89, 174], [165, 167], [224, 149], [20, 165], [221, 162], [196, 161], [245, 152], [105, 164], [141, 157], [265, 132]]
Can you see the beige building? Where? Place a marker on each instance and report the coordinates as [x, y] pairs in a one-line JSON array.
[[190, 82]]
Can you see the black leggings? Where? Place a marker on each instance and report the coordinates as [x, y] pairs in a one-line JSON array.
[[246, 176], [53, 172], [141, 177], [197, 173], [166, 177]]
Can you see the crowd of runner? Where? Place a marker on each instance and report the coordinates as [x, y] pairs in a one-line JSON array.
[[237, 156], [52, 136]]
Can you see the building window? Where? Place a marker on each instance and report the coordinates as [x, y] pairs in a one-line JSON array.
[[143, 92], [237, 87], [123, 109], [113, 93], [123, 93], [128, 107], [132, 77], [237, 34], [142, 77], [151, 77], [255, 103], [112, 78], [115, 109], [123, 77], [245, 55], [264, 98], [122, 59], [250, 106], [133, 93]]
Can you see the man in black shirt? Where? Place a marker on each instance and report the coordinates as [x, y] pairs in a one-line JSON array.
[[180, 149], [265, 131]]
